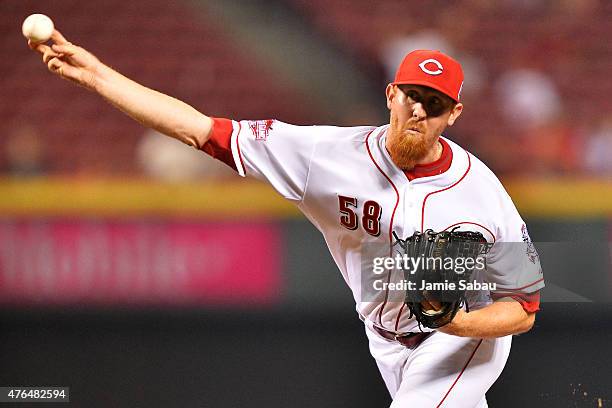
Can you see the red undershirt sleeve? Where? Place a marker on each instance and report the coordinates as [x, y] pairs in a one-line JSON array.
[[219, 143], [529, 301]]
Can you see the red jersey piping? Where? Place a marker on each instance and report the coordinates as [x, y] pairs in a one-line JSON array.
[[473, 223], [526, 286], [460, 374], [390, 225], [444, 189], [238, 147]]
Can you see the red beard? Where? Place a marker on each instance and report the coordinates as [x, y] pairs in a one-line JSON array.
[[407, 149]]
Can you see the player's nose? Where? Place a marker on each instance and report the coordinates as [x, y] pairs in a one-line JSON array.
[[418, 111]]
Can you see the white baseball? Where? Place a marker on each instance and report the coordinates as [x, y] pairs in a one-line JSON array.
[[37, 28]]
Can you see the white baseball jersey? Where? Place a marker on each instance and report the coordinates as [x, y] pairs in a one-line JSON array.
[[343, 180]]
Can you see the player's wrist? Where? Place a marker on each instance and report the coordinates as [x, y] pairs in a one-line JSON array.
[[457, 326], [100, 75]]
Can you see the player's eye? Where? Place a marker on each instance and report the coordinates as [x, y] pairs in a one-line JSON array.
[[413, 96], [436, 107]]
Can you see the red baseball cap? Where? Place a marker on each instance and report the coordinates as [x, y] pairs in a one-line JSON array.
[[433, 69]]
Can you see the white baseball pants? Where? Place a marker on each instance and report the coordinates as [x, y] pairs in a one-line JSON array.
[[443, 371]]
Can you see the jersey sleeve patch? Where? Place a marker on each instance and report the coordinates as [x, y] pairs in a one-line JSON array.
[[261, 128], [219, 143], [530, 249]]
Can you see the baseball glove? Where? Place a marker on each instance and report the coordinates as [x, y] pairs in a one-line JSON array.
[[436, 270]]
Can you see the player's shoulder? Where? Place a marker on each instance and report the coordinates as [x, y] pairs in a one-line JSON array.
[[336, 134], [320, 133], [279, 133], [479, 172], [489, 197]]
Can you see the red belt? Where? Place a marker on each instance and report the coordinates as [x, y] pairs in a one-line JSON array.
[[410, 340]]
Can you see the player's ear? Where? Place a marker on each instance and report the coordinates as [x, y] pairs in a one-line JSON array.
[[391, 92], [455, 113]]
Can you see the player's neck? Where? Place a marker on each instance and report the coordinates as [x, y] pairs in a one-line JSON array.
[[434, 154]]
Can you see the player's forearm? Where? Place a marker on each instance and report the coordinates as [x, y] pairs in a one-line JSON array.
[[503, 317], [152, 108]]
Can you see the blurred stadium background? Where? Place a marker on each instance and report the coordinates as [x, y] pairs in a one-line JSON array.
[[140, 273]]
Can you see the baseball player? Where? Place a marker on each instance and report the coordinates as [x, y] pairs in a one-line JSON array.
[[361, 186]]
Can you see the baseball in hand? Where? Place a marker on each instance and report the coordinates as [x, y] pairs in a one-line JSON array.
[[37, 28]]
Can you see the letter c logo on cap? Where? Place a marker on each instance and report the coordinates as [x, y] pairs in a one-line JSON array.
[[423, 66]]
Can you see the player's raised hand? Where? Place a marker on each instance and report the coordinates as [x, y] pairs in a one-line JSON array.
[[69, 61], [151, 108]]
